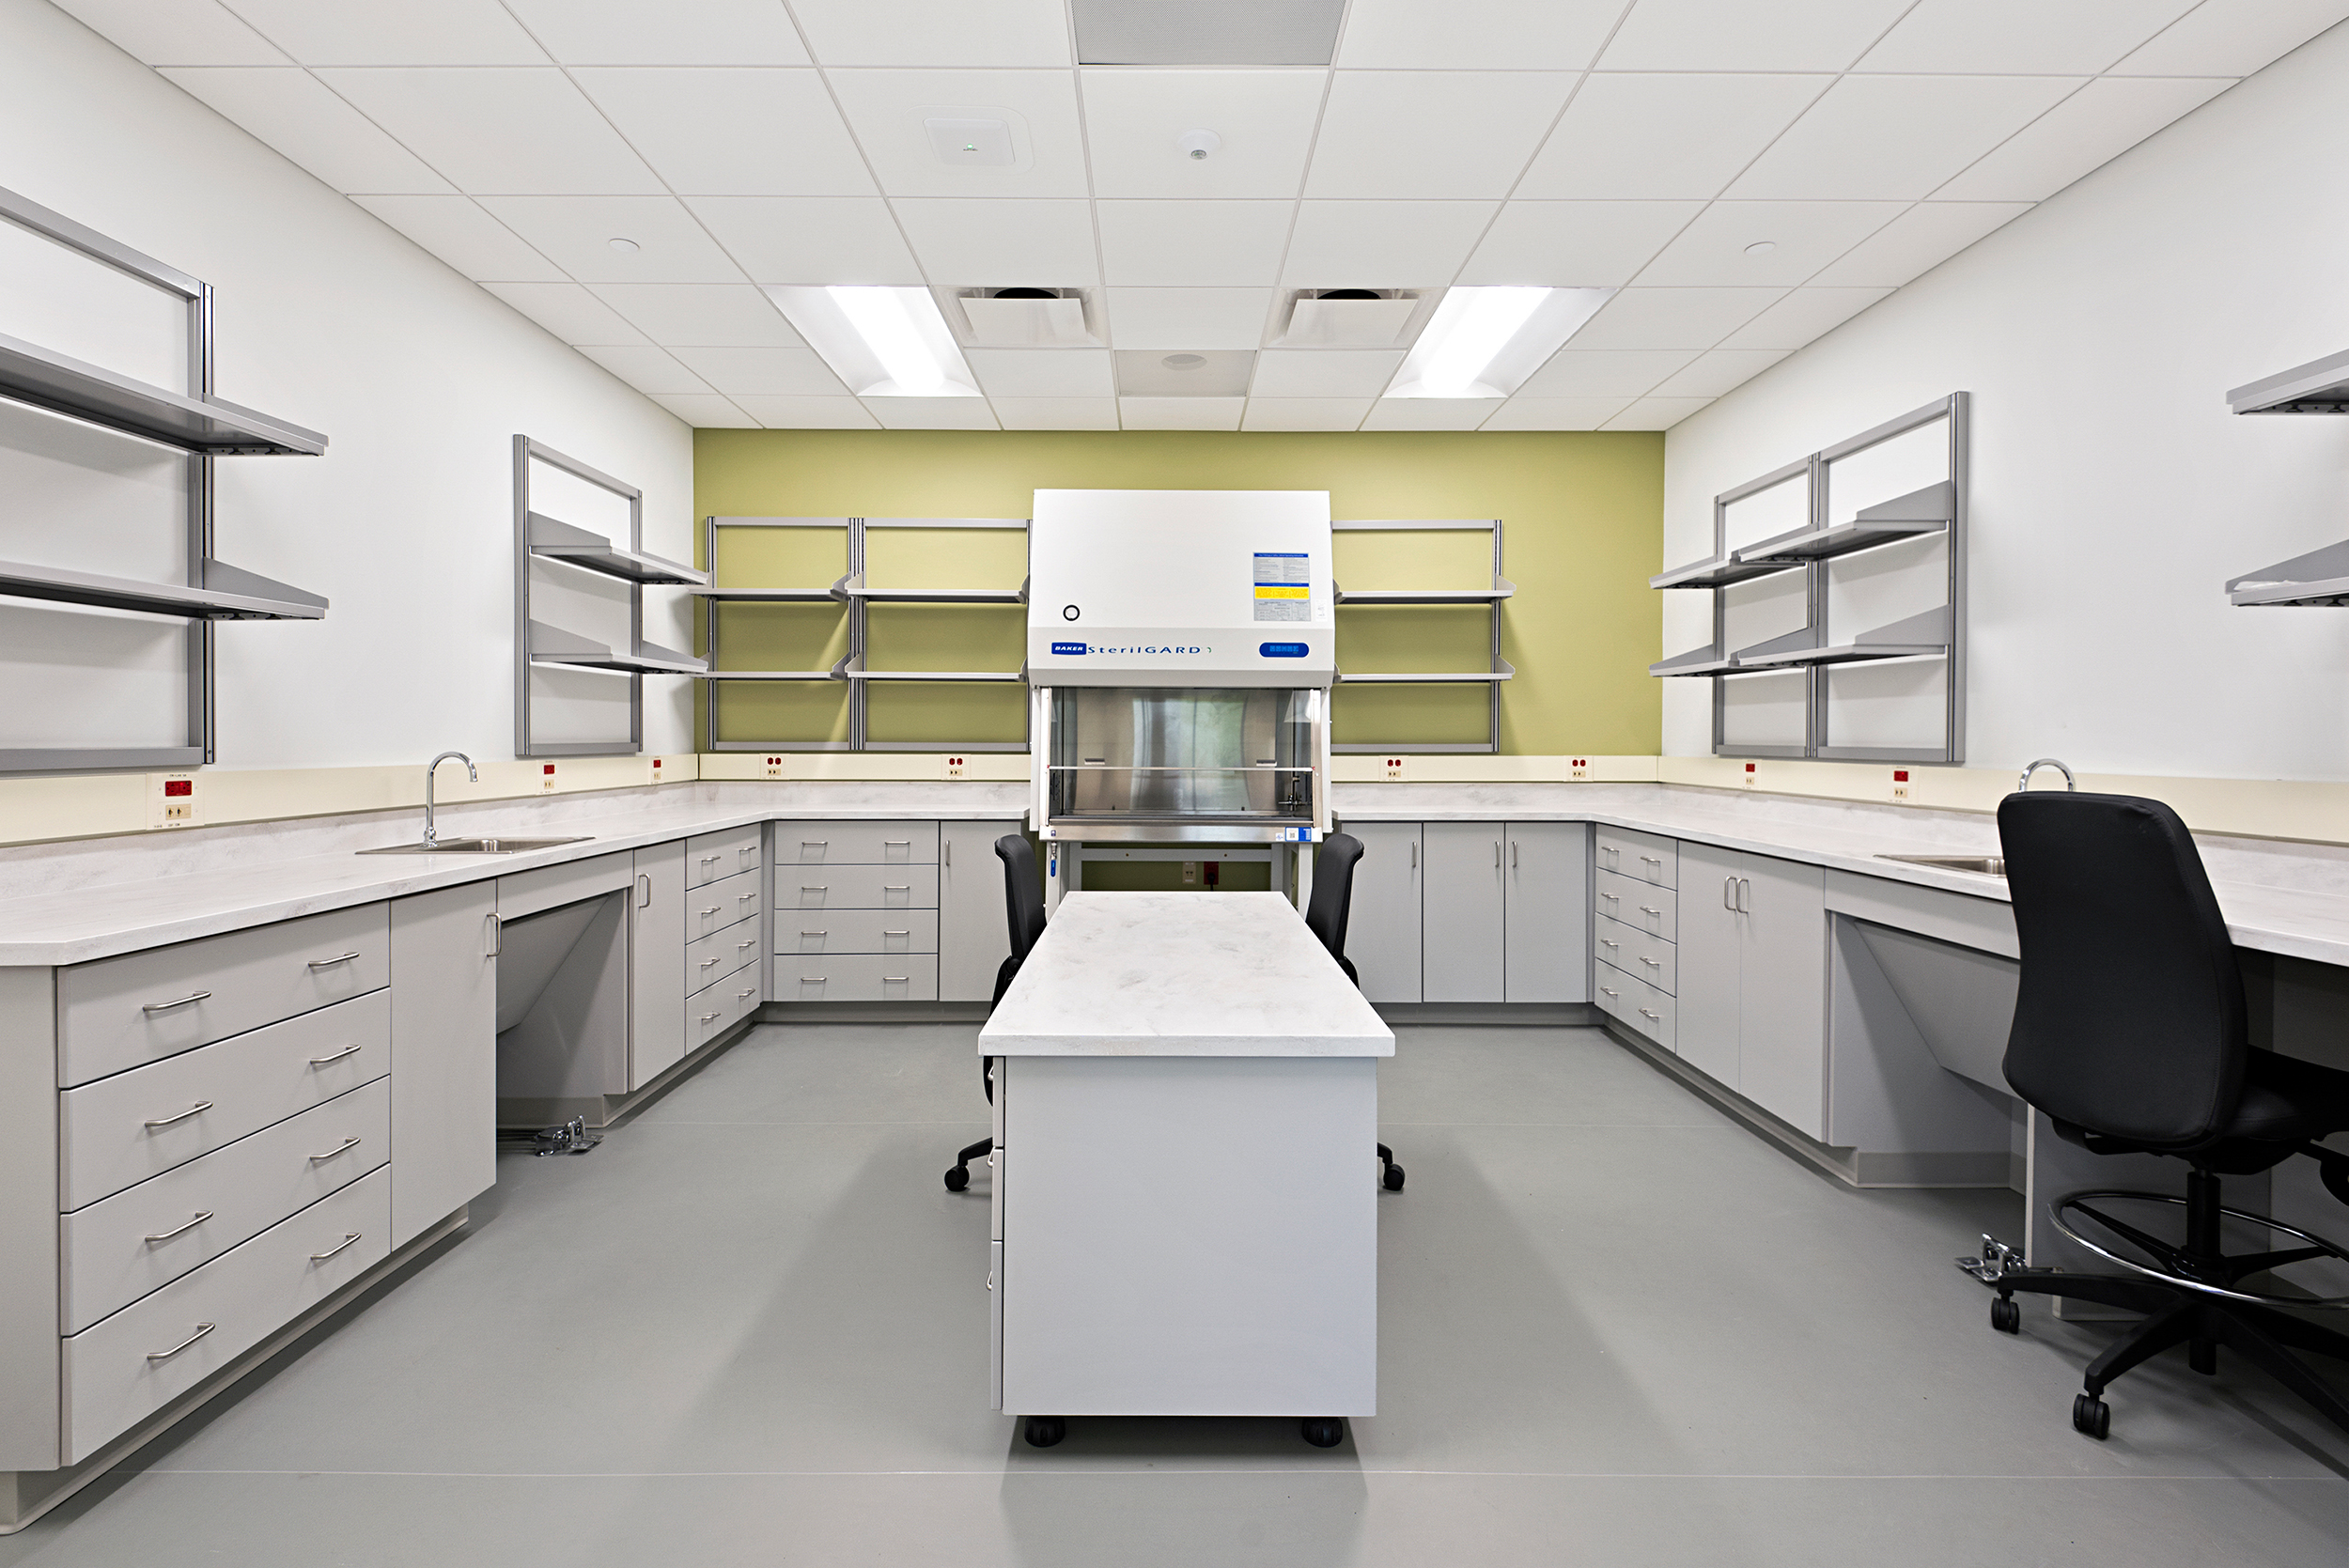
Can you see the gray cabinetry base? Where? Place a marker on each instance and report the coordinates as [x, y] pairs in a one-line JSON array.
[[874, 1012], [1522, 1014]]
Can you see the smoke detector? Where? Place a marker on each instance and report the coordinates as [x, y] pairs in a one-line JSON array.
[[1197, 144]]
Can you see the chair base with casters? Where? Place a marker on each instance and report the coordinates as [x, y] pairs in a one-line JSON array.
[[1325, 917], [958, 1178]]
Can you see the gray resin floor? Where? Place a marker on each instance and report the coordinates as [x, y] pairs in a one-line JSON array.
[[1616, 1329]]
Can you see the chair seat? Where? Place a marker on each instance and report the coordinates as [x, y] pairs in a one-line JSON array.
[[2286, 1102]]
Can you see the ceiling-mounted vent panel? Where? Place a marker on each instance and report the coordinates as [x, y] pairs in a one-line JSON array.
[[1207, 32], [1026, 319], [1351, 319]]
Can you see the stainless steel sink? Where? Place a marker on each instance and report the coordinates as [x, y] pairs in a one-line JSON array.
[[1981, 865], [476, 845]]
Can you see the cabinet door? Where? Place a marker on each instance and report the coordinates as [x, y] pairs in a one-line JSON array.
[[1782, 1041], [655, 963], [1545, 912], [973, 938], [1383, 920], [1712, 938], [1463, 911], [444, 1059]]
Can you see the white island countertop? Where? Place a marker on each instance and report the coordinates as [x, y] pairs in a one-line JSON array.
[[1182, 974]]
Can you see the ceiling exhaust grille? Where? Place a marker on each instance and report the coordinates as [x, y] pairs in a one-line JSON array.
[[1207, 32]]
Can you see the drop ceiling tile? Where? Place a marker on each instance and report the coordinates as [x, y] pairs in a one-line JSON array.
[[2089, 129], [2020, 37], [651, 371], [705, 412], [1918, 239], [189, 32], [1314, 373], [500, 131], [1305, 413], [1655, 319], [1737, 35], [1656, 413], [1894, 138], [1554, 414], [2232, 38], [570, 312], [575, 232], [1802, 316], [1197, 243], [410, 33], [1264, 118], [1382, 245], [1054, 373], [1056, 413], [808, 414], [1475, 35], [1391, 134], [810, 240], [664, 32], [293, 112], [1722, 370], [1186, 317], [1180, 413], [932, 413], [1003, 244], [935, 32], [1676, 136], [887, 109], [760, 130], [763, 372], [1430, 413], [1582, 374], [700, 315], [1802, 237], [1575, 244], [1216, 373], [455, 230]]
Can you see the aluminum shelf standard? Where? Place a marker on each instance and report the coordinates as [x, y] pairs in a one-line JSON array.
[[229, 594], [553, 540], [1488, 600]]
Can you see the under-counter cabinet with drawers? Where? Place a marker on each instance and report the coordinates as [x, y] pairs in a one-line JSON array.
[[1471, 912], [888, 911], [1634, 929]]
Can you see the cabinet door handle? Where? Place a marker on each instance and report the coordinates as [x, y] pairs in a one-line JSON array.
[[182, 1230], [946, 852], [1729, 893], [1745, 896], [337, 1056], [201, 1330], [1414, 854], [497, 937], [644, 891], [196, 1110], [1513, 854], [349, 1237], [348, 1144], [182, 1001], [1496, 854], [339, 958]]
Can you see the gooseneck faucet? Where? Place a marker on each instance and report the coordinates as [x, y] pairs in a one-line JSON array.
[[2070, 783], [431, 837]]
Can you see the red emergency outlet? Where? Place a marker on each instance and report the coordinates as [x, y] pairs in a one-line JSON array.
[[179, 786], [549, 767], [1900, 775]]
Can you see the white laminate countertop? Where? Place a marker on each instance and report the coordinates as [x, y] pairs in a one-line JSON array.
[[1181, 974]]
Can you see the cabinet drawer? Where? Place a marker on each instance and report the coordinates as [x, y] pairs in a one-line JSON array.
[[1636, 952], [857, 931], [1639, 1005], [713, 957], [710, 857], [1642, 905], [107, 1136], [1642, 855], [714, 906], [148, 1354], [118, 1013], [713, 1010], [115, 1252], [856, 977], [856, 887], [856, 844]]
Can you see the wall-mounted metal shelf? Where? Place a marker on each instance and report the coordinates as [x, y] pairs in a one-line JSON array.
[[1719, 571], [1706, 660], [554, 645], [1489, 599], [1914, 637], [853, 587], [2320, 386], [551, 539], [766, 596], [852, 668], [2319, 579], [31, 374], [230, 594], [1501, 588], [1503, 671], [767, 674], [1896, 521]]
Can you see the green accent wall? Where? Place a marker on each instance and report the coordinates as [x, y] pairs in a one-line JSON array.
[[1583, 516]]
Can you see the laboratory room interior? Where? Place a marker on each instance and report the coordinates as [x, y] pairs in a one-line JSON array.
[[1322, 783]]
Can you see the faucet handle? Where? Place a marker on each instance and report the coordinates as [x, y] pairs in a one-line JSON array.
[[2071, 786]]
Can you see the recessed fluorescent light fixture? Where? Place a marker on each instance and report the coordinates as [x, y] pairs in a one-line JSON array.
[[883, 342], [1484, 342]]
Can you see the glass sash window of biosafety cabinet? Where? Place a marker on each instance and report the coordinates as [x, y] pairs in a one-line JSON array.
[[1176, 752]]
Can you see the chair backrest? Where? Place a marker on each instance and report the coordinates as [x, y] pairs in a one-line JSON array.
[[2129, 1020], [1023, 893], [1333, 891]]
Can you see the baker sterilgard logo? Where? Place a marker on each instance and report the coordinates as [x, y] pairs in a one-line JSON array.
[[1089, 647]]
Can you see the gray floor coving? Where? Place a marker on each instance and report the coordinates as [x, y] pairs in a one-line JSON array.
[[1615, 1329]]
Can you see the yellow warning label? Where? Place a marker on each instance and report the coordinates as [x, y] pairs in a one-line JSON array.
[[1266, 590]]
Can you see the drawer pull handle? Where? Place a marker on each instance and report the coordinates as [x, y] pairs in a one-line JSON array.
[[897, 843], [896, 887], [896, 933], [348, 1144], [712, 911], [709, 1016], [739, 946], [819, 843], [201, 1330], [711, 859], [167, 1006], [707, 962], [896, 979], [1651, 860], [744, 996], [196, 1110], [1645, 1014], [339, 958], [813, 979], [816, 933], [742, 896], [1653, 963], [347, 1050], [1651, 910], [182, 1230], [1612, 897], [348, 1237], [814, 886], [1604, 990], [1604, 943]]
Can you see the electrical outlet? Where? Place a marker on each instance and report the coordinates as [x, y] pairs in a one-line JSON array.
[[1749, 775], [954, 768], [546, 779], [173, 800], [1900, 783], [1394, 770], [1577, 768], [774, 768], [1190, 871]]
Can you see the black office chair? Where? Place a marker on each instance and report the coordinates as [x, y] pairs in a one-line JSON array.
[[1325, 917], [2129, 1032], [1023, 909]]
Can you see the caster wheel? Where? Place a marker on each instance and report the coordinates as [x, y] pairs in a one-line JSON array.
[[2091, 1417], [1395, 1178], [1324, 1432], [958, 1178], [1042, 1431], [2005, 1316]]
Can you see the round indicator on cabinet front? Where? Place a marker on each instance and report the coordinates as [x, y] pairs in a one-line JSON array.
[[1067, 612]]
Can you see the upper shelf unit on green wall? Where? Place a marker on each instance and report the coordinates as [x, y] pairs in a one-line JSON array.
[[1443, 621]]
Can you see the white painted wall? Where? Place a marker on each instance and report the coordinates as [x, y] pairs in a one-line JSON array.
[[2114, 493], [420, 379]]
